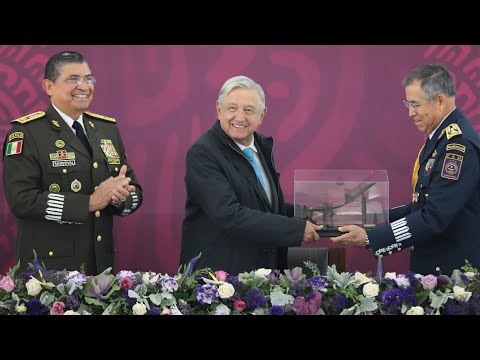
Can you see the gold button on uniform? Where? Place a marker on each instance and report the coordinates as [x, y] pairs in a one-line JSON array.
[[97, 213], [116, 169], [50, 253], [99, 238], [65, 171], [390, 252], [95, 165], [399, 249]]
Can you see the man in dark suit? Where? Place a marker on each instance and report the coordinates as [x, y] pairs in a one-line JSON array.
[[235, 215], [65, 174], [440, 225]]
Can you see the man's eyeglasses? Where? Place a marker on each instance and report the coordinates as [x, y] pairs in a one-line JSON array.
[[90, 80], [411, 105]]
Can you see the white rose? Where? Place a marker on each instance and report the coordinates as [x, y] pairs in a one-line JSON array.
[[20, 308], [146, 278], [226, 290], [461, 294], [370, 290], [391, 275], [222, 309], [361, 279], [139, 309], [263, 273], [154, 279], [470, 274], [70, 312], [71, 273], [415, 310], [33, 287]]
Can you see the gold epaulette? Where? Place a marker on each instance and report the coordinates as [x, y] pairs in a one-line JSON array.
[[27, 118], [451, 131], [106, 118]]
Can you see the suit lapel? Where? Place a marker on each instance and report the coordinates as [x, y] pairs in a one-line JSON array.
[[246, 170]]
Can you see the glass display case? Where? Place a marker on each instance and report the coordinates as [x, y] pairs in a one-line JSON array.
[[333, 198]]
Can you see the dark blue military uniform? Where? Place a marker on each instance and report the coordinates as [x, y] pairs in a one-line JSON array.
[[49, 175], [442, 223]]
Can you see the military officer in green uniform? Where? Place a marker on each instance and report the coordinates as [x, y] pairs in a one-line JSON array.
[[65, 174]]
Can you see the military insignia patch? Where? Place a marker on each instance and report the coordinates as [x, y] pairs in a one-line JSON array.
[[15, 135], [110, 152], [54, 188], [91, 124], [429, 167], [60, 143], [62, 155], [14, 148], [452, 130], [76, 185], [458, 147], [452, 166], [55, 123], [62, 158]]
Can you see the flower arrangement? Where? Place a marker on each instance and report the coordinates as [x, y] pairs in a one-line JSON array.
[[259, 292]]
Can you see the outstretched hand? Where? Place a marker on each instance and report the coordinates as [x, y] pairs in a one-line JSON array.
[[353, 236], [310, 233]]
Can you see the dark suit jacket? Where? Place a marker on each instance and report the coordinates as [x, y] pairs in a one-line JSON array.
[[48, 186], [442, 226], [228, 217]]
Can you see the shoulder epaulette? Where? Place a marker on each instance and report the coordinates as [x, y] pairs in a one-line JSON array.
[[27, 118], [451, 131], [106, 118]]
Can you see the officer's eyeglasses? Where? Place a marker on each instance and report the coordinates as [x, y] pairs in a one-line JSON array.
[[411, 105], [89, 80]]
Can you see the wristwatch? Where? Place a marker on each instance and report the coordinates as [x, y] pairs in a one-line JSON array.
[[367, 243]]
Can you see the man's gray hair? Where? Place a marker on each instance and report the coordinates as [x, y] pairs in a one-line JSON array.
[[244, 83]]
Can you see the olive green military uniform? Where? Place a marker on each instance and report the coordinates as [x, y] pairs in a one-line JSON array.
[[49, 175]]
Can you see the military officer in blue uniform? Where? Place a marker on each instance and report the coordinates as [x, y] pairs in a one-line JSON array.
[[65, 175], [440, 224]]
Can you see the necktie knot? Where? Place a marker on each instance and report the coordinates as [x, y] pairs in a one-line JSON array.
[[249, 154], [76, 125]]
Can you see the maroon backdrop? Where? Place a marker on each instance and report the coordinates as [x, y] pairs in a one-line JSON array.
[[330, 107]]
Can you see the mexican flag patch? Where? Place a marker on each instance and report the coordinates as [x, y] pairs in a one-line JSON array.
[[14, 148]]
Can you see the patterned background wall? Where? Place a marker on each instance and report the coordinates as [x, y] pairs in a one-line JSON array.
[[330, 107]]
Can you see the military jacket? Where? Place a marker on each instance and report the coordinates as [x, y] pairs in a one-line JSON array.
[[49, 175], [440, 225]]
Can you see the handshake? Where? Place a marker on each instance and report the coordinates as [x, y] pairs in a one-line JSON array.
[[113, 191], [353, 235]]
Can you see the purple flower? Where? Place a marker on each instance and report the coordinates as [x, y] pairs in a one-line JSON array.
[[236, 283], [72, 302], [154, 310], [255, 299], [336, 303], [318, 283], [391, 299], [206, 294], [35, 307], [453, 307], [276, 310], [301, 306]]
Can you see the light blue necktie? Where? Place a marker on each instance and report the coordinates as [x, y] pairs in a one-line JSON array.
[[256, 166]]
